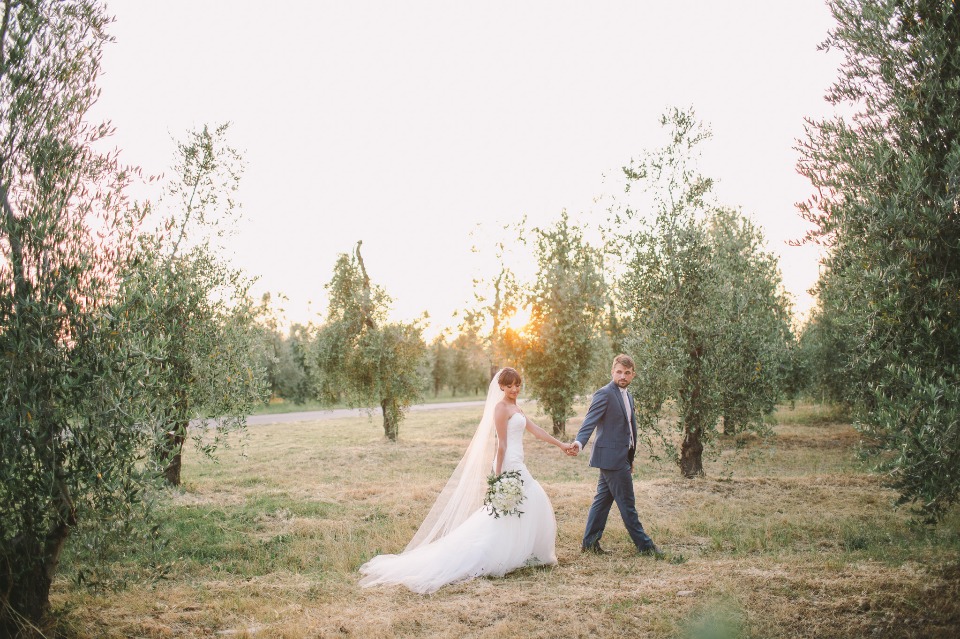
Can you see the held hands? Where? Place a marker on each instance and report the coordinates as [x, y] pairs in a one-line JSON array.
[[571, 449]]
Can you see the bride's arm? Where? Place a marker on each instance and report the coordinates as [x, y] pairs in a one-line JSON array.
[[500, 418], [539, 433]]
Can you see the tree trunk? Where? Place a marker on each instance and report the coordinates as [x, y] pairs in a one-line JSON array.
[[729, 425], [559, 428], [25, 596], [171, 474], [171, 454], [691, 450], [391, 418], [691, 454]]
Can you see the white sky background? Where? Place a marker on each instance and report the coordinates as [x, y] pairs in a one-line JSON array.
[[405, 124]]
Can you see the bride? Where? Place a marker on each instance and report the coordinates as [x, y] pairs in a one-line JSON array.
[[461, 538]]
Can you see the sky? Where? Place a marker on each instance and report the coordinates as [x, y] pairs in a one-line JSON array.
[[422, 128]]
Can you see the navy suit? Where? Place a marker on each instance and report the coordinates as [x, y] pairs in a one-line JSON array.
[[613, 455]]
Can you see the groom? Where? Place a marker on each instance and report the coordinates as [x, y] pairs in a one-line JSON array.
[[611, 414]]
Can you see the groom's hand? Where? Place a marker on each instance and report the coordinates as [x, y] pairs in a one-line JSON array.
[[573, 450]]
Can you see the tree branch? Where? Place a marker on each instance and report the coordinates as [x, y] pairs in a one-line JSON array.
[[16, 248], [7, 8]]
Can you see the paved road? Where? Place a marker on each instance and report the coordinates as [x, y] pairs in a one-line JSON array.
[[333, 413]]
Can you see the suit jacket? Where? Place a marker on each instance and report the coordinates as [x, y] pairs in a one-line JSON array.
[[609, 418]]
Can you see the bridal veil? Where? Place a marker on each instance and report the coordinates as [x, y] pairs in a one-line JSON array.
[[464, 491]]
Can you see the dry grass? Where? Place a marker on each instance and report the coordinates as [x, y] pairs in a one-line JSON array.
[[798, 541]]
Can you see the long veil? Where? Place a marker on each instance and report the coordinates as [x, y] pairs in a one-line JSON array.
[[464, 491]]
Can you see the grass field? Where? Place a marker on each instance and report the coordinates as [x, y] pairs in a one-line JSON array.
[[790, 538]]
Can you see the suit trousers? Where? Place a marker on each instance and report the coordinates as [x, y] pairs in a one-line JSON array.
[[615, 486]]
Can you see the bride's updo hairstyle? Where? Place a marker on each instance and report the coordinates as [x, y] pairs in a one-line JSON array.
[[508, 377]]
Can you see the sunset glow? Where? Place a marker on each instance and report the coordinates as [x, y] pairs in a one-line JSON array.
[[519, 320]]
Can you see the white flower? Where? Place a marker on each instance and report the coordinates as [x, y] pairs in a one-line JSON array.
[[504, 494]]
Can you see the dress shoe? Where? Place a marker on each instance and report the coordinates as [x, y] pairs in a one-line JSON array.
[[595, 549], [654, 552]]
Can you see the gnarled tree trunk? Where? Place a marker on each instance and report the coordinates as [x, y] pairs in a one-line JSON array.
[[391, 418], [25, 597], [691, 449], [560, 428], [171, 453], [691, 454]]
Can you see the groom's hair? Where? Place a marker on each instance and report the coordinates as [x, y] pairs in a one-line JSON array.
[[509, 376], [624, 360]]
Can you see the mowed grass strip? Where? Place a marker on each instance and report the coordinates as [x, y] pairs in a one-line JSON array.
[[789, 537]]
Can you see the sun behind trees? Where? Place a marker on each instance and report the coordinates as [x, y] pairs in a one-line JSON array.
[[563, 345], [694, 298]]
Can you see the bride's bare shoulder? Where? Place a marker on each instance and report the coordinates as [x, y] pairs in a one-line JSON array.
[[506, 410]]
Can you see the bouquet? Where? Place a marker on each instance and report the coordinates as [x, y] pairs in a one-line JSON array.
[[504, 494]]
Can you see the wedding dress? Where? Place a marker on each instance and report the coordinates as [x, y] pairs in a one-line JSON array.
[[482, 545]]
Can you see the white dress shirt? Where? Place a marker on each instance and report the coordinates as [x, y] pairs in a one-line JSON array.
[[626, 409]]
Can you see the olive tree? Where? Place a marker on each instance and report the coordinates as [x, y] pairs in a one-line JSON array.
[[277, 354], [440, 364], [702, 304], [559, 348], [361, 358], [756, 345], [825, 350], [496, 300], [886, 174], [469, 370], [75, 362], [198, 305]]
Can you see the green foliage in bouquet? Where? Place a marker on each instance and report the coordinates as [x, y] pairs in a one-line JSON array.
[[504, 494]]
